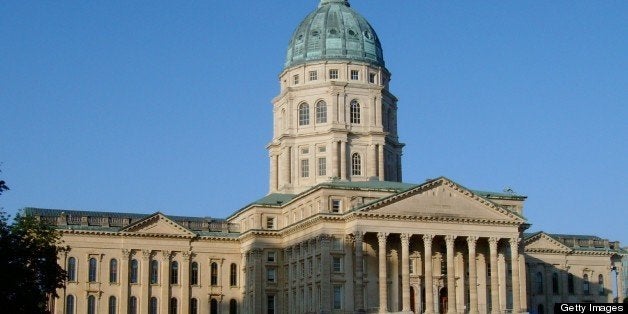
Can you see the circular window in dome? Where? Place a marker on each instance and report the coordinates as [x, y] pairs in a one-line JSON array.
[[333, 31], [314, 33], [368, 35], [300, 37], [351, 32]]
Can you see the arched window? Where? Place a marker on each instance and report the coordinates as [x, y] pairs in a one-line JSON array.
[[91, 304], [71, 269], [113, 305], [585, 284], [321, 112], [214, 274], [132, 305], [600, 282], [213, 306], [174, 273], [154, 271], [570, 286], [93, 265], [354, 112], [194, 274], [304, 114], [134, 271], [539, 283], [283, 119], [194, 306], [555, 283], [69, 304], [233, 274], [113, 270], [233, 306], [356, 164], [152, 306], [174, 306]]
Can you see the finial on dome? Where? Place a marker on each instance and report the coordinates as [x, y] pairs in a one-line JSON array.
[[324, 2]]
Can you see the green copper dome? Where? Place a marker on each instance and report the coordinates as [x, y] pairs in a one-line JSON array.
[[334, 32]]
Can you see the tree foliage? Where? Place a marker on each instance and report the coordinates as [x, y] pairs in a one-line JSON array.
[[29, 272]]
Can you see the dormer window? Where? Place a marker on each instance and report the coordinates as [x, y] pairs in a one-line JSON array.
[[355, 75], [313, 75], [335, 205], [295, 79], [270, 223]]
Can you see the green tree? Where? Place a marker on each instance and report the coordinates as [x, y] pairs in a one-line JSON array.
[[29, 273]]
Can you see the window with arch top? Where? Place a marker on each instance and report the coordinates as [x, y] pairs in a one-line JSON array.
[[133, 273], [354, 112], [600, 282], [321, 112], [213, 274], [585, 284], [356, 164], [71, 269], [113, 270], [194, 274], [154, 271], [93, 265], [233, 274], [304, 114], [174, 273]]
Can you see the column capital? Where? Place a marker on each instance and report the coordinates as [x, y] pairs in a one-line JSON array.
[[492, 242], [514, 242], [358, 235], [449, 239], [405, 237], [146, 254], [187, 255], [472, 240], [126, 253], [427, 239], [381, 237], [165, 255]]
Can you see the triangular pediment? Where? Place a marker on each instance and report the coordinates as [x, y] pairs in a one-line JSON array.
[[157, 224], [443, 199], [542, 242]]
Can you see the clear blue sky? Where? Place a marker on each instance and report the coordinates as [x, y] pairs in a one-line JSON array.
[[142, 106]]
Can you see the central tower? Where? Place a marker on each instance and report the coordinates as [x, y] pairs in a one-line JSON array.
[[334, 118]]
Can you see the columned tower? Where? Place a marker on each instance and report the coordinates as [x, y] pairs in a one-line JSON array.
[[334, 118]]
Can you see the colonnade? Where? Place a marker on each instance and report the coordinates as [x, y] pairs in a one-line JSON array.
[[497, 282]]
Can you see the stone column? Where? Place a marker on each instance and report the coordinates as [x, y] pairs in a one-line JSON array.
[[429, 286], [492, 243], [343, 160], [257, 301], [325, 241], [372, 163], [144, 299], [620, 282], [165, 281], [359, 271], [380, 161], [514, 260], [274, 172], [286, 165], [124, 281], [451, 276], [383, 296], [473, 277], [405, 272], [185, 282], [335, 169]]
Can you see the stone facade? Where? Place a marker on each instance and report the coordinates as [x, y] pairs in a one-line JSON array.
[[338, 232]]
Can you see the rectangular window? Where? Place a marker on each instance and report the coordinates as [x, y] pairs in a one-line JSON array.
[[270, 222], [313, 75], [337, 301], [271, 275], [296, 79], [355, 75], [270, 304], [305, 150], [372, 77], [305, 168], [333, 74], [336, 264], [336, 244], [335, 205], [322, 149], [322, 166], [270, 256]]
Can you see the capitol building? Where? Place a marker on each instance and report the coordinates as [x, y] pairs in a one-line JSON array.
[[339, 231]]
